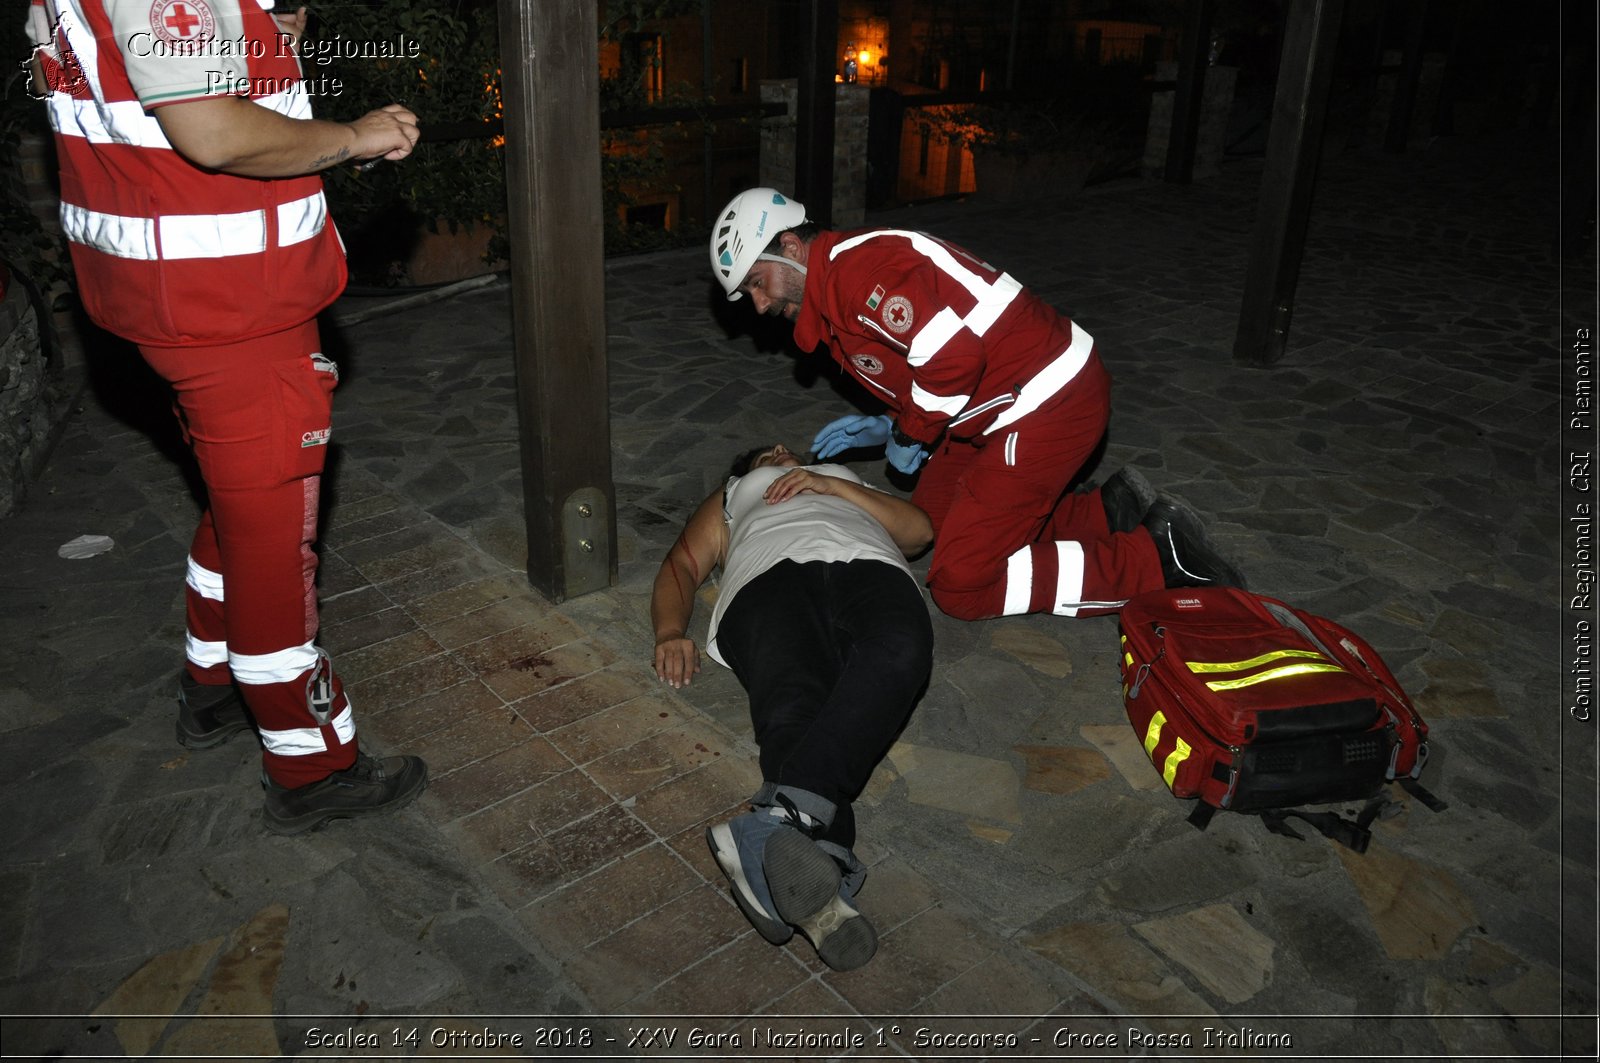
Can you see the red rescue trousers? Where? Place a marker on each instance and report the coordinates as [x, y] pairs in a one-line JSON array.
[[258, 416], [1008, 536]]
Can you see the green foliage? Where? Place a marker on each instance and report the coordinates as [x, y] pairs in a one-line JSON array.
[[453, 81], [456, 79], [633, 159]]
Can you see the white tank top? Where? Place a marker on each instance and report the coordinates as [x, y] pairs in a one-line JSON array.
[[807, 527]]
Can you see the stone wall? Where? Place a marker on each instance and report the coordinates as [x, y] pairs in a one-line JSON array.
[[30, 403], [36, 377], [849, 147]]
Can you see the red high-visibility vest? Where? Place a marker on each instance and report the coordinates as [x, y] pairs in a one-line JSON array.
[[169, 254]]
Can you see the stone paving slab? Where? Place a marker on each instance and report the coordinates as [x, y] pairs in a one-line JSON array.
[[1397, 470]]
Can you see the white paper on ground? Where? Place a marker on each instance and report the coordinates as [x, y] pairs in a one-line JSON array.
[[85, 546]]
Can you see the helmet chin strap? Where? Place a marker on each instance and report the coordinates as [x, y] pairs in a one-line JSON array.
[[791, 263]]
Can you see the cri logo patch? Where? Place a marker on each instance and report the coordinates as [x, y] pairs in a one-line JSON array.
[[897, 313], [317, 437], [867, 364], [182, 21], [1187, 603]]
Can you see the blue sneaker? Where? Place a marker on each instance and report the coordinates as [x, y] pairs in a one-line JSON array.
[[738, 846], [811, 894]]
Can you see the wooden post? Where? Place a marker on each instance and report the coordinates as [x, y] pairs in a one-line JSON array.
[[1304, 74], [550, 90], [813, 146], [1398, 133], [1193, 60]]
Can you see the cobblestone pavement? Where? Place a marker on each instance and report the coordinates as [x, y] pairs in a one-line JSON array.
[[1398, 470]]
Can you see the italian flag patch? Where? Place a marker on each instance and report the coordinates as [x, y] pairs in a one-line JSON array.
[[875, 298]]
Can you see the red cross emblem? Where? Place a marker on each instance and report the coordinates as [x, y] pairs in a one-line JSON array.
[[897, 313], [181, 20]]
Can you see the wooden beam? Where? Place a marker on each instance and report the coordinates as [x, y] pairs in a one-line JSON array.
[[550, 88], [813, 148], [1398, 134], [1305, 71], [1194, 58]]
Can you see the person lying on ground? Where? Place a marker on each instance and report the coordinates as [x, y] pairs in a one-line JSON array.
[[823, 623]]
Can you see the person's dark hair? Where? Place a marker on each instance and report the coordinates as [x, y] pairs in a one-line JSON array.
[[741, 463], [806, 230]]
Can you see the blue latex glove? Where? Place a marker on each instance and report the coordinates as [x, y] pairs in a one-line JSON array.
[[847, 433], [907, 459]]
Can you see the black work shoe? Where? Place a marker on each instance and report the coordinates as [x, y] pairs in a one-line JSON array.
[[367, 787], [1127, 497], [1187, 557], [208, 715]]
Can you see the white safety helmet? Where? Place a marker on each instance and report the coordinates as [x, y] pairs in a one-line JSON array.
[[744, 229]]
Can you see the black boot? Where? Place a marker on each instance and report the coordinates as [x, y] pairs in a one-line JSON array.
[[208, 715], [1187, 557], [1127, 497], [366, 787]]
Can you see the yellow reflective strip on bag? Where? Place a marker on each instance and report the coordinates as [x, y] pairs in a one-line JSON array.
[[1254, 662], [1152, 734], [1275, 673], [1179, 754]]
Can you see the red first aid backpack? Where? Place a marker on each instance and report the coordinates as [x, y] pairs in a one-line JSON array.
[[1252, 705]]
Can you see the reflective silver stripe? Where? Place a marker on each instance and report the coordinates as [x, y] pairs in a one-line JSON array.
[[993, 302], [38, 24], [867, 380], [1019, 582], [94, 119], [888, 337], [212, 235], [185, 236], [127, 122], [280, 667], [983, 408], [992, 298], [1011, 449], [205, 654], [301, 219], [304, 741], [927, 400], [1049, 380], [203, 581], [1069, 578], [934, 335], [106, 123], [112, 234]]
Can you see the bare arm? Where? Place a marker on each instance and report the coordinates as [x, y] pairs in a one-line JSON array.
[[234, 135], [292, 23], [906, 524], [702, 546]]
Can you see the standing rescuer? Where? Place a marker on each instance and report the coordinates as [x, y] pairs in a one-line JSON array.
[[199, 232], [1004, 399]]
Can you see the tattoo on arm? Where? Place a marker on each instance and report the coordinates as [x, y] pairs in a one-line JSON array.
[[330, 160]]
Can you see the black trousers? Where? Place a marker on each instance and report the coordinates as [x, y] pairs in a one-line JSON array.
[[833, 655]]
